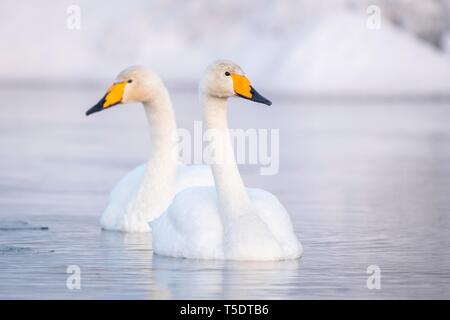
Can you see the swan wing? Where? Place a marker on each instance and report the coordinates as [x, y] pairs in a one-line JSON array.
[[190, 227], [115, 217], [272, 212]]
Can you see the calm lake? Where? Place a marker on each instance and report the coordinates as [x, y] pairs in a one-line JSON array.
[[365, 182]]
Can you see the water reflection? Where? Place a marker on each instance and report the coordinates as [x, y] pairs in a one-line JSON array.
[[206, 279]]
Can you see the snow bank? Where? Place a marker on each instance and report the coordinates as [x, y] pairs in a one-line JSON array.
[[341, 55], [289, 46]]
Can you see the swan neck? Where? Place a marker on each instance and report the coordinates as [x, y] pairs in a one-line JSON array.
[[162, 125], [158, 183], [231, 191]]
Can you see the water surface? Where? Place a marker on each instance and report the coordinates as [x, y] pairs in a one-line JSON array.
[[366, 183]]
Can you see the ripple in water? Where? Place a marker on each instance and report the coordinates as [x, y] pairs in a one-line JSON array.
[[6, 250], [12, 225]]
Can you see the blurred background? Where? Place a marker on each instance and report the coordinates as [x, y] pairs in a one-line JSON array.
[[360, 92], [298, 47]]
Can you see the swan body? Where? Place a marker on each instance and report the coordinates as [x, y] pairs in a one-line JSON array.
[[119, 215], [146, 192], [258, 235], [227, 221]]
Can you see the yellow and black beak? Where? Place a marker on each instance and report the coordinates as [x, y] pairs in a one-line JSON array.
[[111, 98], [242, 88]]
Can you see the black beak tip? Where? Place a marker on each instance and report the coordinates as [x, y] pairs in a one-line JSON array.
[[259, 98], [98, 107], [90, 111]]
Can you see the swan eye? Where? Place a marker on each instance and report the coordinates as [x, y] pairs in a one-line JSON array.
[[227, 73], [130, 81]]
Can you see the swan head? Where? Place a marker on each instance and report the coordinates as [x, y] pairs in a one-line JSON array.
[[224, 79], [134, 84]]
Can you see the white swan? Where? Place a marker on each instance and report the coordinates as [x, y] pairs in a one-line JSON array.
[[227, 221], [144, 193]]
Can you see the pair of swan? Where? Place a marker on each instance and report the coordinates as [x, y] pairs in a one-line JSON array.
[[193, 213]]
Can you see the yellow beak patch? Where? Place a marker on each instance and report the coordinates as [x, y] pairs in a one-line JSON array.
[[115, 94], [241, 85]]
